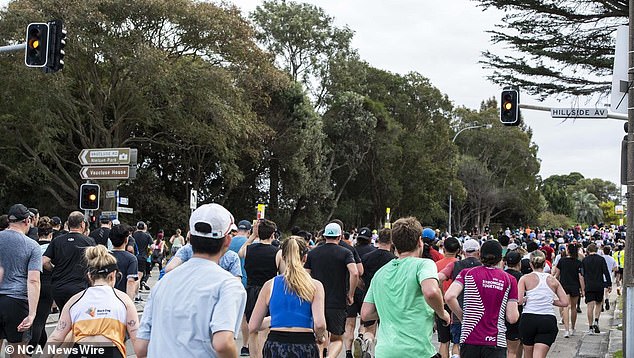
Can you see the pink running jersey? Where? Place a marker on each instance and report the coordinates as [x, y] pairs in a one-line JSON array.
[[487, 290]]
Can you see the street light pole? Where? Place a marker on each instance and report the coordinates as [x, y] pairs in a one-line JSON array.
[[451, 183]]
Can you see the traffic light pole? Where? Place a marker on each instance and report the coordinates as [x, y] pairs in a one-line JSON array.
[[13, 48]]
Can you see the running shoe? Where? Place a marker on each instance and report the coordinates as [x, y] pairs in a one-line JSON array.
[[591, 330], [244, 352], [607, 304], [358, 347], [596, 328], [572, 332], [578, 309], [566, 334]]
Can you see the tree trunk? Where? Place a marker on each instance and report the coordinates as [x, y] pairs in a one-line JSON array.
[[274, 189]]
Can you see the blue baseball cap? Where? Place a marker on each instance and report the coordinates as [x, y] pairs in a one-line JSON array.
[[428, 233], [332, 230]]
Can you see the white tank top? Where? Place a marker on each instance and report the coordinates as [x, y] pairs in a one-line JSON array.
[[540, 299]]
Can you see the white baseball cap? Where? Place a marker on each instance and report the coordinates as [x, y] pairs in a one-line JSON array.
[[211, 221], [471, 246], [332, 230]]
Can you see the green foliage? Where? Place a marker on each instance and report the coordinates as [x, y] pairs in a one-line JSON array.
[[609, 216], [548, 220], [565, 46], [587, 208]]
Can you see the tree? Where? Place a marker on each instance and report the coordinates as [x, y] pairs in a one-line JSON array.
[[564, 46], [604, 190], [304, 40], [609, 215], [587, 208], [180, 80]]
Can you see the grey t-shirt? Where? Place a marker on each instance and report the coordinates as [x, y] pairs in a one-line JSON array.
[[19, 254]]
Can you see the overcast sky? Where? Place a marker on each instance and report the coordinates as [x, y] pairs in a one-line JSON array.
[[442, 40]]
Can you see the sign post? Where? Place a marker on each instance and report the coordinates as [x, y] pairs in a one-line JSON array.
[[193, 199]]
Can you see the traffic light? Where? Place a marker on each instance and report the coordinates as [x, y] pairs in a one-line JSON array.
[[36, 54], [57, 36], [510, 112], [89, 197]]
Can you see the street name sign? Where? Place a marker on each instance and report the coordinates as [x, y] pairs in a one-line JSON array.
[[107, 156], [111, 194], [579, 112], [125, 210], [109, 214], [111, 172], [123, 201]]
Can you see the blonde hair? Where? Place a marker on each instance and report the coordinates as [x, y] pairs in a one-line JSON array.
[[538, 259], [297, 279], [97, 258]]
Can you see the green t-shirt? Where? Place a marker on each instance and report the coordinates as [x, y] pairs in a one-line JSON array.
[[407, 321]]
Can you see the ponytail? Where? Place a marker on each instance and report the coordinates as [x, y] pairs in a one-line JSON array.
[[296, 277]]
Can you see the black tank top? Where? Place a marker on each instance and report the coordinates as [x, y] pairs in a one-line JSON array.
[[260, 264]]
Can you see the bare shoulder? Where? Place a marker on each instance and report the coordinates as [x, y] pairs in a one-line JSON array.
[[318, 284], [124, 298]]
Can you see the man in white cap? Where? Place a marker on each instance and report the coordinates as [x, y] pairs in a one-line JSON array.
[[335, 268], [187, 314]]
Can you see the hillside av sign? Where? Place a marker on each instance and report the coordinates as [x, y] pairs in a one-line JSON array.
[[579, 112]]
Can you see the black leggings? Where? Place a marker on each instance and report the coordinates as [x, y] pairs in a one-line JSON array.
[[290, 345], [38, 329]]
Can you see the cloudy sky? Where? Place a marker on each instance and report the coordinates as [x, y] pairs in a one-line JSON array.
[[442, 40]]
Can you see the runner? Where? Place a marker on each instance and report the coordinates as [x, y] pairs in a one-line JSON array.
[[65, 257], [100, 235], [99, 316], [244, 231], [38, 330], [596, 277], [177, 241], [513, 342], [363, 246], [19, 290], [490, 294], [471, 250], [188, 314], [451, 250], [262, 262], [143, 241], [296, 303], [538, 327], [372, 262], [619, 257], [568, 271], [612, 268], [335, 268], [126, 262], [404, 295]]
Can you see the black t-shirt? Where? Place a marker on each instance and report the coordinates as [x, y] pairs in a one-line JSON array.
[[57, 233], [100, 236], [594, 269], [128, 266], [517, 275], [259, 263], [33, 234], [372, 262], [364, 249], [328, 263], [46, 275], [67, 255], [355, 254], [143, 241], [569, 270]]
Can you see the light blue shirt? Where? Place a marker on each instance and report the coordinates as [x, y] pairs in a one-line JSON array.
[[230, 261], [186, 308], [236, 244]]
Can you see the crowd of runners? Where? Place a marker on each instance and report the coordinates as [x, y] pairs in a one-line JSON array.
[[360, 292]]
